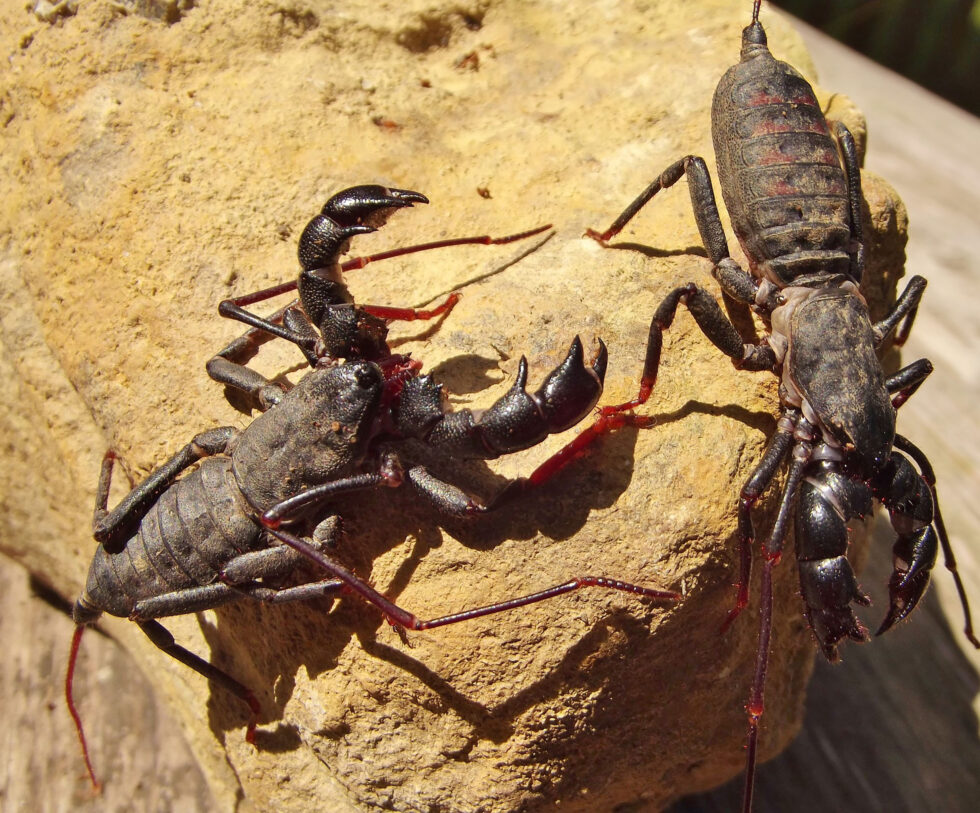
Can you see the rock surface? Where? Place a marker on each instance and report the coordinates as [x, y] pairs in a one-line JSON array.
[[151, 170]]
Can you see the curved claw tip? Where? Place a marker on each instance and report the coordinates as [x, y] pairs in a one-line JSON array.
[[407, 196], [896, 613], [905, 594], [890, 620], [601, 361], [575, 351], [367, 201], [520, 381]]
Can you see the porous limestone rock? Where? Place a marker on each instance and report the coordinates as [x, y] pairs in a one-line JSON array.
[[150, 170]]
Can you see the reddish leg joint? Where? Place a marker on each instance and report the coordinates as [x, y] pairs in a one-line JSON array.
[[253, 720]]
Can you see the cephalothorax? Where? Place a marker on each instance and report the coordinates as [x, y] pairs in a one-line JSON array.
[[268, 497], [793, 192]]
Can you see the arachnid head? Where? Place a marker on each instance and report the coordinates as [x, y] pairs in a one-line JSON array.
[[834, 367], [347, 395], [320, 431]]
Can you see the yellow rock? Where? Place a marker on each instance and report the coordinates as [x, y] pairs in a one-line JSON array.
[[151, 170]]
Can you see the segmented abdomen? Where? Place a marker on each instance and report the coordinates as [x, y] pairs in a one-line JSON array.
[[184, 540], [780, 172]]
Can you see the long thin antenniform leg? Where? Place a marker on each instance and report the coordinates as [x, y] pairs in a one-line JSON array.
[[929, 476], [246, 345], [412, 314], [573, 450], [390, 475], [772, 552], [234, 308], [403, 618], [482, 240], [762, 657]]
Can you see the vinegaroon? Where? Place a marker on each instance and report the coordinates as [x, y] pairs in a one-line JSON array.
[[793, 192], [268, 497]]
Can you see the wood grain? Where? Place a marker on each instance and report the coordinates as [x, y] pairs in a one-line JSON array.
[[132, 735]]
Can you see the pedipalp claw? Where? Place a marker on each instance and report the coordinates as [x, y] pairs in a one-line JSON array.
[[914, 556], [572, 389], [829, 587], [905, 594], [369, 203]]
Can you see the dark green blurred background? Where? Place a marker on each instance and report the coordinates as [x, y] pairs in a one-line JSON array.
[[933, 42]]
